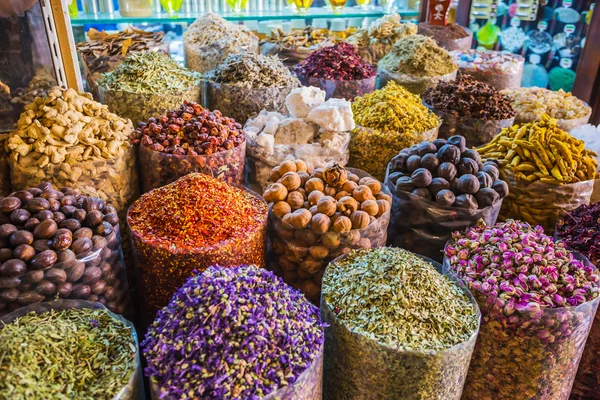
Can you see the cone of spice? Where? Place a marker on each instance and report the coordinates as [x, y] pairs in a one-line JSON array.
[[537, 301], [190, 224], [236, 333]]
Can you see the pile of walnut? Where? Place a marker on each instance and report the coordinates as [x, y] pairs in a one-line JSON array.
[[318, 214]]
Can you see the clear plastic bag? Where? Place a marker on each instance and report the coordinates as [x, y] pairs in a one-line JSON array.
[[357, 367], [587, 380], [308, 386], [423, 226], [498, 69], [339, 89], [371, 150], [139, 107], [206, 58], [568, 125], [134, 390], [162, 269], [477, 132], [240, 103], [291, 251], [414, 84], [159, 169], [541, 203], [527, 356]]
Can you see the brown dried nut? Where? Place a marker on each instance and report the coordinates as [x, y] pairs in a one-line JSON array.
[[9, 295], [287, 166], [349, 186], [327, 205], [92, 203], [364, 243], [35, 191], [111, 218], [370, 207], [66, 258], [319, 252], [320, 223], [335, 175], [283, 229], [27, 298], [364, 180], [304, 177], [83, 233], [352, 238], [314, 184], [22, 195], [330, 191], [20, 237], [374, 185], [75, 272], [58, 217], [45, 287], [5, 254], [295, 200], [105, 268], [99, 242], [54, 205], [314, 197], [32, 277], [310, 266], [99, 287], [110, 293], [384, 206], [24, 252], [91, 275], [303, 193], [313, 210], [71, 224], [290, 180], [275, 192], [331, 240], [347, 205], [55, 275], [362, 193], [94, 218], [64, 290], [68, 200], [43, 260], [301, 166], [281, 208], [278, 245], [82, 245], [12, 268], [274, 175], [104, 229], [9, 204], [31, 223], [79, 215], [44, 215], [9, 282], [353, 177], [6, 230], [342, 224], [51, 194], [299, 219], [41, 245], [36, 205], [45, 229], [19, 216], [43, 186], [360, 220], [307, 236], [80, 291], [287, 265], [62, 239]]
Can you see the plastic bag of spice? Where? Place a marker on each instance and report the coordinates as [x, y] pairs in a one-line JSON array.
[[587, 380], [361, 368], [499, 69], [414, 84], [206, 57], [134, 389], [541, 203], [240, 103], [342, 89], [158, 169], [531, 354]]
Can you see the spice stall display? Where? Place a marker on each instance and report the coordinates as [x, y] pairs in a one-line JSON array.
[[377, 39], [339, 71], [388, 120], [147, 85], [417, 63], [190, 139], [397, 328], [590, 134], [470, 108], [316, 131], [537, 302], [450, 37], [532, 103], [548, 171], [246, 83], [60, 244], [210, 39], [295, 46], [69, 349], [236, 333], [498, 69], [105, 51], [580, 231], [188, 225], [438, 188], [316, 215]]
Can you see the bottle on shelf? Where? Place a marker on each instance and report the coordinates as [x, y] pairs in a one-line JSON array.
[[298, 24], [338, 29], [354, 24], [320, 26]]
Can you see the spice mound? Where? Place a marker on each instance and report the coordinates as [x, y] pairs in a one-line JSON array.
[[418, 55], [466, 97], [74, 353], [339, 62], [499, 69], [450, 31], [235, 333]]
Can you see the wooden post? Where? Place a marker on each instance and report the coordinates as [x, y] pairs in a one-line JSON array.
[[60, 26], [587, 80], [463, 12]]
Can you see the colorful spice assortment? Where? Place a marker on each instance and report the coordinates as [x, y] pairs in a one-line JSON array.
[[319, 214], [68, 349], [397, 328], [475, 109], [548, 171], [190, 224], [449, 37], [389, 120], [440, 187], [246, 83], [236, 333], [537, 301], [499, 69], [146, 85], [190, 139], [59, 244]]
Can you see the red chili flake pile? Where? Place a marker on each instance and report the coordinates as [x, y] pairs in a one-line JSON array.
[[191, 130], [580, 230], [339, 62]]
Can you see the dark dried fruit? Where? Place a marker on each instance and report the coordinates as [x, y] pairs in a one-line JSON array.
[[492, 171], [422, 192], [13, 268], [438, 184], [466, 201], [19, 216], [399, 162], [501, 187], [458, 141], [487, 197], [339, 62], [439, 143], [45, 229], [468, 184], [394, 176], [413, 163], [426, 148], [24, 252], [445, 198], [404, 184], [6, 230], [447, 171], [467, 166], [43, 260], [449, 153], [431, 162], [9, 204], [421, 178], [485, 181], [472, 154], [21, 237]]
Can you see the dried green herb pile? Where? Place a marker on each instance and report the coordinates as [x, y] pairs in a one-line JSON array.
[[252, 70], [398, 328], [70, 354], [150, 73], [418, 55]]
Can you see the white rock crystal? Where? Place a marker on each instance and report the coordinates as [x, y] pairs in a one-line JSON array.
[[267, 143], [333, 115], [303, 99], [295, 131]]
